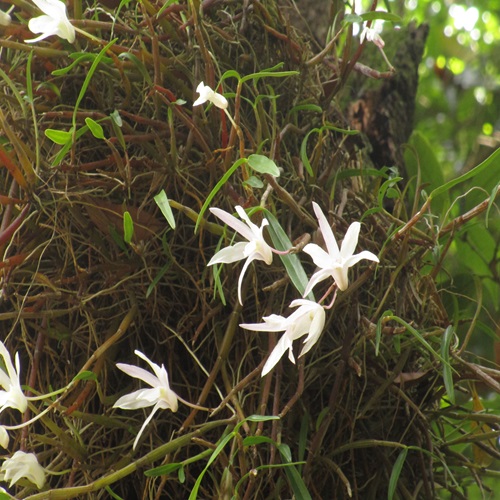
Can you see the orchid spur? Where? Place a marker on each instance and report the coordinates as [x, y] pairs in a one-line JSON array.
[[335, 262], [53, 22], [308, 319], [255, 248], [207, 94], [160, 395]]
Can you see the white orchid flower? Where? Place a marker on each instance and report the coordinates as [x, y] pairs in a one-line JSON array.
[[335, 262], [21, 465], [207, 94], [309, 319], [161, 396], [54, 22], [372, 35], [255, 248], [5, 19], [12, 396]]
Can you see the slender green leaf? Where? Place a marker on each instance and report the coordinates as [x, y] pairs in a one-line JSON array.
[[396, 472], [216, 189], [215, 454], [157, 278], [445, 353], [295, 479], [163, 470], [291, 262], [162, 202], [490, 162], [128, 227], [86, 375]]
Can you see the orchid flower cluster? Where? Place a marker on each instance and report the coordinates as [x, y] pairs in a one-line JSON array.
[[309, 317]]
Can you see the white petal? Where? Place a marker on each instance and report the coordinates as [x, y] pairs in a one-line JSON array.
[[200, 100], [326, 231], [315, 330], [272, 323], [53, 8], [159, 372], [240, 279], [143, 398], [319, 256], [276, 354], [317, 277], [229, 254], [4, 437], [350, 240], [219, 100], [365, 254], [341, 278], [21, 465], [140, 373], [146, 422], [234, 223]]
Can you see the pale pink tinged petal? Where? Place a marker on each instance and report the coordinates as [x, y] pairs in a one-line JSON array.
[[365, 254], [318, 255], [229, 254], [326, 231], [240, 279], [276, 354], [317, 277], [234, 223], [350, 240]]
